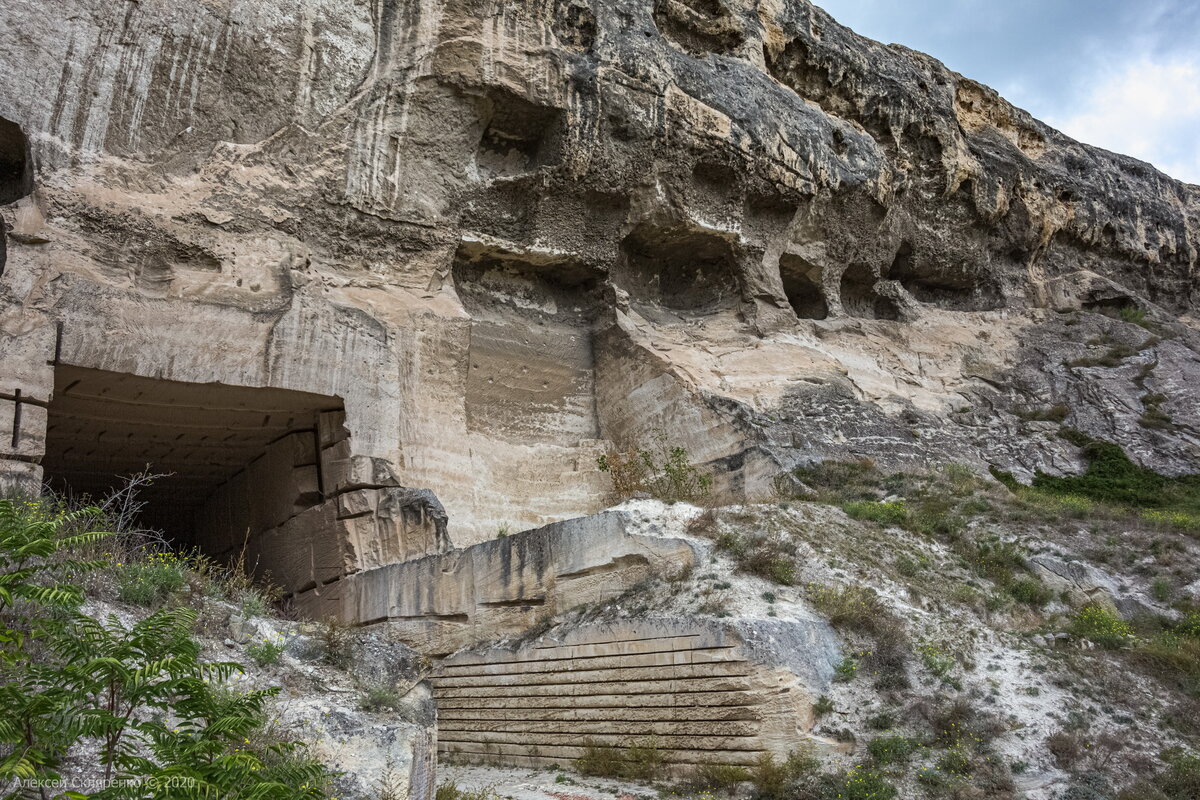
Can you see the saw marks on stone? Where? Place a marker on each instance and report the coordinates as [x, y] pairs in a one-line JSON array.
[[618, 685], [531, 373]]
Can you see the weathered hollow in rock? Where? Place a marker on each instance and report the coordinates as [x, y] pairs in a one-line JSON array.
[[802, 285], [682, 269], [16, 167], [531, 373], [520, 136], [956, 290], [236, 461], [859, 297]]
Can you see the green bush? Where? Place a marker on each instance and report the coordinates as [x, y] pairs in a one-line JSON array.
[[1030, 591], [858, 783], [769, 557], [777, 780], [150, 581], [267, 652], [380, 698], [841, 480], [140, 695], [1101, 626], [1112, 478], [717, 778], [856, 607], [893, 514], [892, 749], [642, 760], [659, 469], [449, 790], [846, 671]]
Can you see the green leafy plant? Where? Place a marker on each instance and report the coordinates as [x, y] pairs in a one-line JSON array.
[[770, 557], [892, 749], [267, 652], [659, 469], [1102, 626], [641, 760], [886, 514], [163, 725], [152, 580]]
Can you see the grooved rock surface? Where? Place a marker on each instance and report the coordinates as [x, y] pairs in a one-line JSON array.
[[507, 234], [693, 689]]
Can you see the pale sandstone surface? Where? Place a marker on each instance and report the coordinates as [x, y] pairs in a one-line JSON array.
[[505, 235], [378, 280]]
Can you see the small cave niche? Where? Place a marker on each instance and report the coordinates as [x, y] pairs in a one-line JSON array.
[[16, 166], [520, 136], [960, 290], [531, 371], [16, 174], [240, 466], [859, 298], [1108, 302], [699, 27], [802, 285], [680, 268]]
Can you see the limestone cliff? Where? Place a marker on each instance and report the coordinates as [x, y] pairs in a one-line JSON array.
[[498, 236]]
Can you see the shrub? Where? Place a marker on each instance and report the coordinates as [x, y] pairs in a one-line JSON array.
[[140, 696], [993, 559], [1181, 779], [769, 557], [1160, 589], [881, 722], [893, 514], [380, 698], [449, 790], [859, 783], [1133, 315], [641, 760], [1112, 478], [823, 706], [1030, 591], [956, 761], [661, 470], [846, 671], [776, 780], [1174, 658], [938, 662], [1098, 624], [337, 642], [152, 581], [1067, 748], [855, 607], [267, 652], [891, 749], [717, 778], [955, 722], [837, 480]]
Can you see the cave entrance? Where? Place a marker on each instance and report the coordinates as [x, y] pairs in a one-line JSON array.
[[241, 461], [802, 286], [16, 174], [860, 298], [683, 269]]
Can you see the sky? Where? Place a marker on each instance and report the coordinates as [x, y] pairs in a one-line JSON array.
[[1120, 74]]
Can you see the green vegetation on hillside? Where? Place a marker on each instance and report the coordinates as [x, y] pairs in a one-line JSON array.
[[163, 721]]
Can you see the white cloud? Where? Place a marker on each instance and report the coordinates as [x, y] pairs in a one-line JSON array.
[[1148, 109]]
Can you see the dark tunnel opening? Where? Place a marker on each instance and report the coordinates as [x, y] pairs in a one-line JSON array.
[[236, 462]]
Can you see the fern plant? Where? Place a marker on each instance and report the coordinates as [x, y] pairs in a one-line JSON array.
[[166, 727]]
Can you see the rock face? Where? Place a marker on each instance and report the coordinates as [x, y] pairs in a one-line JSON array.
[[699, 692], [503, 587], [499, 236]]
